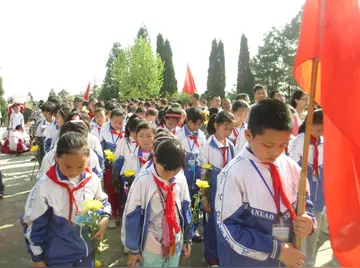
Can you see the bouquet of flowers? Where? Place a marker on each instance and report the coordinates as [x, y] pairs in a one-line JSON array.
[[88, 218], [129, 179], [207, 178], [195, 211], [116, 182]]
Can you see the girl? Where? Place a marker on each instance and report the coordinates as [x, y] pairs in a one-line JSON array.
[[16, 117], [157, 216], [110, 135], [218, 152], [97, 122], [171, 119], [192, 139], [240, 110], [53, 237], [299, 101], [151, 115], [51, 133], [92, 108], [15, 143], [315, 174], [71, 126]]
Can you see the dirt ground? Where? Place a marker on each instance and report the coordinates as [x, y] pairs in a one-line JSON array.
[[17, 172]]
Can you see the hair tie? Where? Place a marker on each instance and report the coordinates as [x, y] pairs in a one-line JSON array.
[[173, 115], [75, 117]]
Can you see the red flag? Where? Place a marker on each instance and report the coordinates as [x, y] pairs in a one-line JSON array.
[[189, 85], [329, 32], [87, 92]]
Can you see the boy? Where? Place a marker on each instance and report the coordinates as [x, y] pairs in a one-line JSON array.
[[240, 110], [255, 222], [100, 119]]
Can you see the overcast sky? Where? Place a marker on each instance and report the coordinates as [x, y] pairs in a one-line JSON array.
[[65, 44]]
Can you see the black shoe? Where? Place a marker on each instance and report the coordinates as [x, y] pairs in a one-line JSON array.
[[197, 239]]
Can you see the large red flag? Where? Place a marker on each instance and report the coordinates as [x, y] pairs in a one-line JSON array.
[[87, 92], [189, 85], [330, 32]]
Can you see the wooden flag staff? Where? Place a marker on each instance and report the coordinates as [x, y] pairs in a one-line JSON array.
[[301, 205]]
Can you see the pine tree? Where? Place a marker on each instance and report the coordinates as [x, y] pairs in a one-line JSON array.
[[52, 92], [160, 46], [170, 83], [143, 33], [245, 78], [213, 64], [221, 83]]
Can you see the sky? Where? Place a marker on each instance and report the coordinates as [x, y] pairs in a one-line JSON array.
[[65, 44]]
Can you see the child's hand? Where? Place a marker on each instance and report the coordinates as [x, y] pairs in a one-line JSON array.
[[303, 225], [39, 264], [290, 256], [133, 259], [206, 205], [186, 251], [102, 227]]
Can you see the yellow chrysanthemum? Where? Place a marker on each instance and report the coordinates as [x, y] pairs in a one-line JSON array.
[[206, 122], [202, 184], [129, 173], [34, 148], [98, 263], [109, 155], [206, 113], [206, 166], [87, 111], [93, 205]]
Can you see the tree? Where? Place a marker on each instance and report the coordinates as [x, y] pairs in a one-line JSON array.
[[143, 33], [95, 91], [29, 103], [3, 105], [64, 95], [216, 72], [138, 71], [160, 46], [169, 86], [245, 78], [52, 92], [109, 89]]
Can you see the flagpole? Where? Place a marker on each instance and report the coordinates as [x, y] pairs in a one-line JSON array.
[[301, 199]]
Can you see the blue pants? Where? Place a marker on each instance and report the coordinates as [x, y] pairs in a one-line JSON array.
[[210, 241], [86, 262]]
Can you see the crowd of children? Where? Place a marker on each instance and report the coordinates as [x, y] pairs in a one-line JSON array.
[[148, 156]]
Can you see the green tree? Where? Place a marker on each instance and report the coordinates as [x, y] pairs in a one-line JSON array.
[[143, 33], [160, 46], [109, 89], [29, 103], [64, 95], [222, 73], [3, 104], [245, 78], [95, 91], [52, 92], [138, 71], [169, 86]]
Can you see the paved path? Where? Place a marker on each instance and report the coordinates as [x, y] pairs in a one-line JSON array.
[[17, 172]]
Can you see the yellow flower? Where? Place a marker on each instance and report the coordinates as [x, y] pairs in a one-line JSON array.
[[206, 122], [202, 184], [206, 113], [34, 148], [129, 173], [206, 166], [93, 205], [87, 111], [109, 155], [98, 263]]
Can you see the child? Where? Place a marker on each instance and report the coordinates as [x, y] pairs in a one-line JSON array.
[[151, 115], [240, 110], [110, 135], [218, 152], [257, 194], [171, 119], [98, 121], [141, 112], [53, 237], [16, 118], [315, 175], [52, 131], [15, 142], [77, 126], [157, 216], [192, 139]]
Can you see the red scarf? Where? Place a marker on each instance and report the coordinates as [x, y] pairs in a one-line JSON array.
[[169, 208], [224, 154], [72, 201], [278, 188], [120, 134], [314, 141], [195, 139], [236, 134]]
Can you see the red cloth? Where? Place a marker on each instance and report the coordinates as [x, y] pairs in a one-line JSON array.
[[224, 154], [195, 139], [330, 33], [169, 208], [142, 160], [236, 134], [72, 201], [189, 85], [278, 189], [113, 195], [120, 134], [87, 92]]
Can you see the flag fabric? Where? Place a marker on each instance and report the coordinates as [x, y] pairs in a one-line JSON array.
[[189, 85], [87, 92], [329, 32]]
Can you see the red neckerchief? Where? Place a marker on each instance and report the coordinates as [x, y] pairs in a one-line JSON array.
[[314, 141], [98, 127], [278, 189], [169, 208], [236, 134], [91, 115], [195, 139], [72, 201], [120, 134], [224, 154]]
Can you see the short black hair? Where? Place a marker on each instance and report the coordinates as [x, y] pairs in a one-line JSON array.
[[71, 143], [194, 115], [213, 111], [215, 96], [64, 110], [100, 109], [49, 107], [76, 115], [170, 154], [258, 87], [117, 112], [77, 126], [242, 96], [318, 119], [111, 106], [146, 125], [273, 92], [151, 111], [140, 110], [269, 114], [132, 125], [196, 96], [238, 105], [147, 104]]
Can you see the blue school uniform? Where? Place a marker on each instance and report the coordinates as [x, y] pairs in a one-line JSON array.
[[51, 135], [217, 155], [109, 139]]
